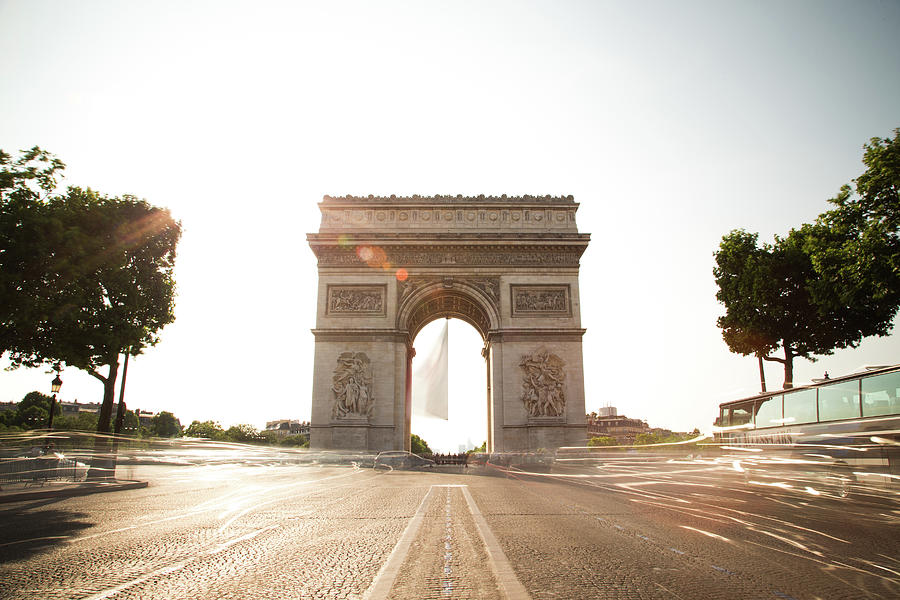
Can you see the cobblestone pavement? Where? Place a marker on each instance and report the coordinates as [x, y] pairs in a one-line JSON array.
[[635, 531]]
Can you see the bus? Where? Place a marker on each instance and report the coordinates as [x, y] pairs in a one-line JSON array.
[[838, 436]]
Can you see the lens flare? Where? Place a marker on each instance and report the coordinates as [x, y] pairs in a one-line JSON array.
[[401, 274], [373, 256], [365, 253]]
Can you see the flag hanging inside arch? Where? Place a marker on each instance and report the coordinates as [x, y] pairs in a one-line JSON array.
[[430, 379]]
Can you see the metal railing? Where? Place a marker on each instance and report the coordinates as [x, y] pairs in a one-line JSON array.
[[41, 469]]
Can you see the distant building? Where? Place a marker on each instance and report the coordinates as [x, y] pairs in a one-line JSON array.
[[286, 427], [145, 418], [73, 408], [619, 427]]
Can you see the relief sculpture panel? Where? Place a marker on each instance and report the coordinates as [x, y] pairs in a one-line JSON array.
[[545, 300], [543, 385], [356, 300], [352, 386]]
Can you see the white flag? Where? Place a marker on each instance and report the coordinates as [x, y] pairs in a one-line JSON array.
[[430, 380]]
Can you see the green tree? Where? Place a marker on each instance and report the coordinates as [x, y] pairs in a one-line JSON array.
[[824, 286], [643, 439], [84, 277], [855, 247], [205, 429], [298, 440], [81, 421], [418, 446], [603, 440], [242, 433], [481, 448], [767, 303], [165, 424]]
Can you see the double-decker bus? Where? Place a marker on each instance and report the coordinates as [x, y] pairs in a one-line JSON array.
[[846, 429]]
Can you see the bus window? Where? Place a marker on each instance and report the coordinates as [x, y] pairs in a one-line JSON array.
[[740, 415], [768, 412], [881, 395], [839, 401], [800, 407]]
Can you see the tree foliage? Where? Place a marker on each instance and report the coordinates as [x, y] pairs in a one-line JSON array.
[[824, 286], [418, 446], [242, 433], [602, 440], [164, 424], [205, 429], [84, 277], [31, 412]]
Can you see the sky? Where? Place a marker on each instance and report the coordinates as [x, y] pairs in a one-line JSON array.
[[671, 123]]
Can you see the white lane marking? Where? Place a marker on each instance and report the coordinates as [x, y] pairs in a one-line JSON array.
[[510, 586], [37, 539], [384, 580]]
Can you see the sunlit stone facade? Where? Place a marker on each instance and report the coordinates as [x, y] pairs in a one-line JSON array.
[[506, 265]]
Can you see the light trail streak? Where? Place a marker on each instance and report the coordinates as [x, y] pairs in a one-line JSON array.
[[715, 536]]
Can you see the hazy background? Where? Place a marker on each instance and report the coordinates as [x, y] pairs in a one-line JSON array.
[[670, 122]]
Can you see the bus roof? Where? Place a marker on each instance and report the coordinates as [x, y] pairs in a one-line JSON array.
[[867, 372]]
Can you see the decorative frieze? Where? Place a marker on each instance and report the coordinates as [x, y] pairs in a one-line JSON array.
[[407, 256], [540, 300], [354, 396], [543, 385], [356, 300]]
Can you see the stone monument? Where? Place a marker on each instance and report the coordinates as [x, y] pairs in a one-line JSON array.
[[506, 265]]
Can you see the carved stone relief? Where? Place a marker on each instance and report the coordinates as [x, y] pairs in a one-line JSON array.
[[543, 385], [490, 286], [450, 304], [543, 300], [352, 386], [431, 256], [356, 300]]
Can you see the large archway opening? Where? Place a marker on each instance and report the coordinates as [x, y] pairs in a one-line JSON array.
[[466, 424]]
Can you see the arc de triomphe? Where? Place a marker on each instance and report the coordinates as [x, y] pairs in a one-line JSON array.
[[506, 265]]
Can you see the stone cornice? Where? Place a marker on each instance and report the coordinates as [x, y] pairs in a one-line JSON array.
[[448, 199], [447, 238], [353, 335], [527, 335]]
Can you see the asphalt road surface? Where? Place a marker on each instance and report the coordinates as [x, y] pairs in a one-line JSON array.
[[614, 529]]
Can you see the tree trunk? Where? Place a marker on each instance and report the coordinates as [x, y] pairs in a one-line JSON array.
[[109, 394], [762, 374], [788, 368], [120, 414], [103, 463]]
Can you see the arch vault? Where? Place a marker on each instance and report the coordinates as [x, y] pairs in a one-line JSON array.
[[506, 265]]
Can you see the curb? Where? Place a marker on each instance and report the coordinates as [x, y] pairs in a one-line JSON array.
[[82, 490]]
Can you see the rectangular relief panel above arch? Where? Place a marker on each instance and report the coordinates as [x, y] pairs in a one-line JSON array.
[[355, 300], [540, 300]]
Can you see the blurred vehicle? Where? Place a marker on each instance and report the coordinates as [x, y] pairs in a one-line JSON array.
[[401, 459], [838, 436]]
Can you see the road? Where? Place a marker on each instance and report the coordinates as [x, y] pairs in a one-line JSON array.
[[618, 529]]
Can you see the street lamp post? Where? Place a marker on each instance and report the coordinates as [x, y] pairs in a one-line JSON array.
[[54, 387]]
